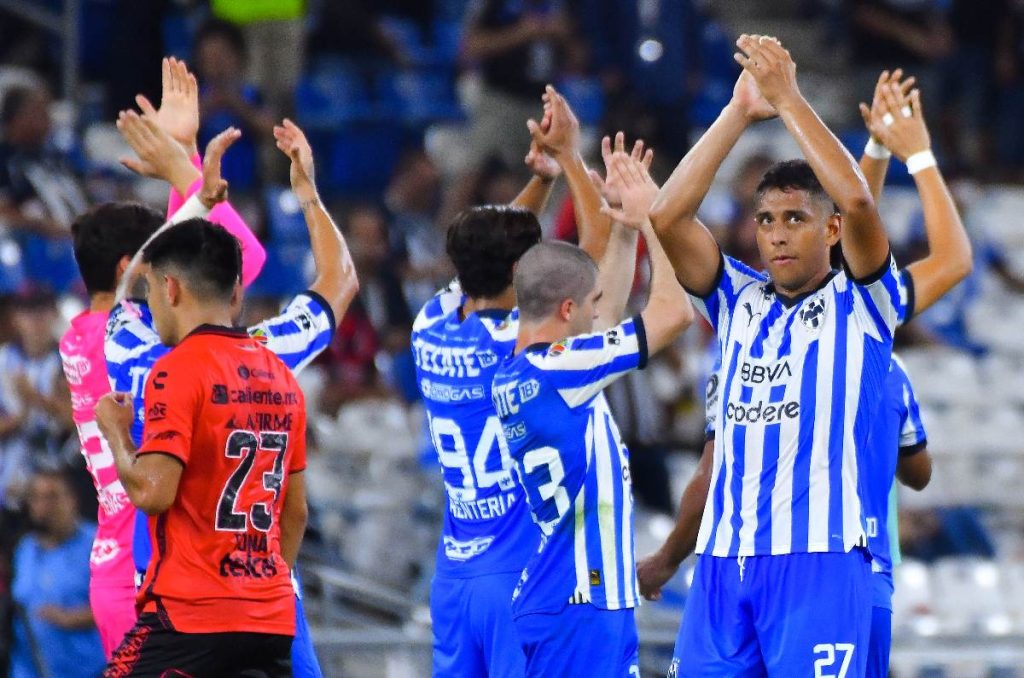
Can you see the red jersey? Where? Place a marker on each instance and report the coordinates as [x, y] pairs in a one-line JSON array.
[[233, 414]]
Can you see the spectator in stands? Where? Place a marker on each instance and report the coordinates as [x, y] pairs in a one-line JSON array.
[[38, 189], [226, 99], [32, 391], [412, 199], [519, 46], [54, 633]]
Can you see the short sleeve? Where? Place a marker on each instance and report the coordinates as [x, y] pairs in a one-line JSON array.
[[718, 305], [173, 396], [581, 367], [912, 433], [438, 306], [302, 331], [907, 299], [881, 299]]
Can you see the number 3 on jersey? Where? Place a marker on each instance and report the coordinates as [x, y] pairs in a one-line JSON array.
[[472, 473], [246, 444]]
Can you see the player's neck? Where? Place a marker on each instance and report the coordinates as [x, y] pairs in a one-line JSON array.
[[812, 284], [101, 302], [191, 319], [505, 301], [544, 332]]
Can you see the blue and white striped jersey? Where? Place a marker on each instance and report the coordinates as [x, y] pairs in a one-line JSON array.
[[132, 345], [487, 526], [571, 460], [896, 431], [799, 384]]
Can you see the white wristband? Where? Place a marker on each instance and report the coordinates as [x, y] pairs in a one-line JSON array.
[[921, 160], [876, 150]]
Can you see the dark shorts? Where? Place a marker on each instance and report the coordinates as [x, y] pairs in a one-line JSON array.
[[154, 650]]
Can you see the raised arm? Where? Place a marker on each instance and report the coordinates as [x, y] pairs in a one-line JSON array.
[[535, 194], [690, 247], [865, 243], [668, 311], [949, 257], [874, 163], [179, 116], [336, 278], [562, 142]]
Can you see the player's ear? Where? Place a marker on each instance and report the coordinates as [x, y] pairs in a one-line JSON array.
[[566, 310], [122, 266], [833, 229], [173, 290]]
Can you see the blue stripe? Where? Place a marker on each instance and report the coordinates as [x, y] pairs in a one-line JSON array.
[[802, 464], [764, 330], [837, 427], [914, 412], [593, 342], [769, 471], [719, 496], [883, 330], [617, 488], [746, 393], [786, 346], [591, 506], [739, 441]]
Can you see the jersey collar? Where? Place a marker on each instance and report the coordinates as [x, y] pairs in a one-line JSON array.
[[790, 302], [219, 329]]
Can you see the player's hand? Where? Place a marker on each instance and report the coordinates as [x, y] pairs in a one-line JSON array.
[[747, 98], [873, 116], [633, 183], [771, 66], [179, 104], [158, 154], [114, 415], [610, 189], [292, 142], [215, 188], [542, 165], [901, 127], [653, 572], [562, 138]]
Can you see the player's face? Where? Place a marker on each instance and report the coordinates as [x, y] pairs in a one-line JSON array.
[[50, 503], [794, 233], [160, 307]]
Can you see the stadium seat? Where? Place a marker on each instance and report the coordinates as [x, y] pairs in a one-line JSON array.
[[12, 266], [419, 97], [50, 261], [361, 158], [970, 596], [335, 94], [285, 221], [447, 41], [585, 96], [408, 35], [912, 601], [283, 275]]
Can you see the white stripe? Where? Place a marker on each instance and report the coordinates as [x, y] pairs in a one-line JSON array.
[[852, 511], [782, 493], [818, 488], [628, 556], [606, 475], [753, 460], [580, 528]]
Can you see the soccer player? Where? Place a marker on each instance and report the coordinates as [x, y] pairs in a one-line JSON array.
[[219, 474], [804, 354], [105, 239], [459, 338], [573, 606]]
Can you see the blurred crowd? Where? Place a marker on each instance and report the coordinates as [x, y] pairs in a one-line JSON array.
[[417, 110]]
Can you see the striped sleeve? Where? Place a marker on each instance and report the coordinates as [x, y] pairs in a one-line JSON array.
[[907, 299], [131, 346], [441, 304], [718, 305], [882, 299], [912, 433], [302, 331], [580, 367]]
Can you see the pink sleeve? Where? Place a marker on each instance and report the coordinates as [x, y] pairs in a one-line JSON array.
[[253, 254]]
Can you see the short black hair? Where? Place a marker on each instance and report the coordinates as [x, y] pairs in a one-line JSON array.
[[218, 28], [548, 274], [790, 175], [206, 256], [484, 244], [106, 234]]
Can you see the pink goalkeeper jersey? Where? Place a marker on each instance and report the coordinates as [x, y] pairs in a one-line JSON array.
[[81, 351]]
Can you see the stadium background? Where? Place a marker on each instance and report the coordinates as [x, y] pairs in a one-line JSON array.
[[411, 119]]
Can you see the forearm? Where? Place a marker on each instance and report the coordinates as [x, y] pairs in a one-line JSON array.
[[593, 226], [124, 451], [682, 540], [253, 253], [534, 196], [616, 273], [292, 531], [949, 257], [77, 618], [336, 279], [874, 171], [668, 310]]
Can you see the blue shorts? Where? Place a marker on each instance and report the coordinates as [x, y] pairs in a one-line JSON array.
[[802, 614], [304, 662], [881, 643], [473, 630], [580, 641]]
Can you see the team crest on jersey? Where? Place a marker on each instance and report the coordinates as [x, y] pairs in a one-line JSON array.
[[557, 348], [259, 334], [813, 313]]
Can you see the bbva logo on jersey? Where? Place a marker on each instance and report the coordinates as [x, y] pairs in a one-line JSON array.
[[812, 315]]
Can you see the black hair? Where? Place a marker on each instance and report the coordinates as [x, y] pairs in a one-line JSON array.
[[484, 244], [227, 31], [14, 102], [106, 234], [207, 258], [790, 175], [550, 273]]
